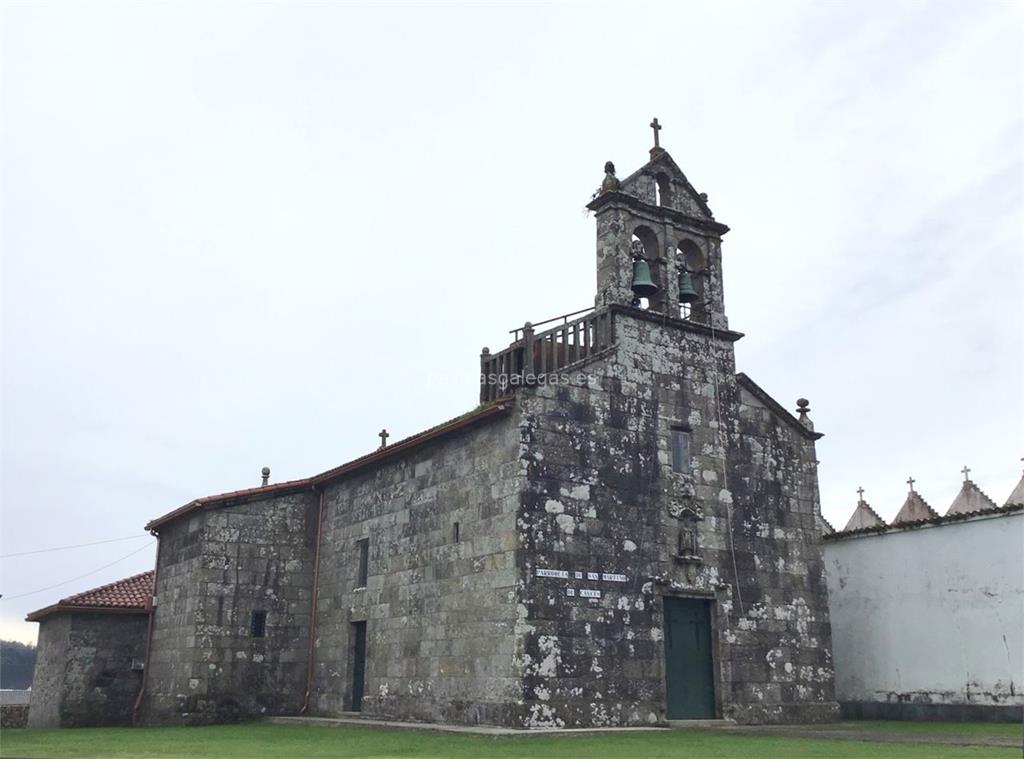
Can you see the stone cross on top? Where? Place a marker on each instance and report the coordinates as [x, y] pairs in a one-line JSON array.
[[383, 435], [657, 128], [911, 482], [967, 473], [860, 495]]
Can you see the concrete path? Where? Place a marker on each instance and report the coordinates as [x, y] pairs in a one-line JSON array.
[[470, 729], [834, 731]]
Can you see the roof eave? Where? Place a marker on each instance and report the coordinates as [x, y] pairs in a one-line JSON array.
[[47, 611], [932, 522]]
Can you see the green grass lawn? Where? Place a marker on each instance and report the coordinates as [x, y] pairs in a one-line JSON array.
[[994, 729], [266, 741]]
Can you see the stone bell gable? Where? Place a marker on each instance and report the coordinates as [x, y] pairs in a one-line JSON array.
[[660, 182], [656, 214]]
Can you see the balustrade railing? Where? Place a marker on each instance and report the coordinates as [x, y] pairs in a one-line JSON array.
[[533, 355]]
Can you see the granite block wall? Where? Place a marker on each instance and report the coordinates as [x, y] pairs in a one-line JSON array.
[[739, 526], [216, 568], [84, 676], [440, 609], [48, 678]]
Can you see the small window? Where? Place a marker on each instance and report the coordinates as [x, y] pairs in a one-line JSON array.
[[259, 624], [364, 562], [455, 532], [680, 450]]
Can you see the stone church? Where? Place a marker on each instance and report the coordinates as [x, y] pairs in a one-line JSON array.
[[624, 531]]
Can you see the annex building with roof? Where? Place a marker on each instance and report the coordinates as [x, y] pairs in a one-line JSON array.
[[90, 655]]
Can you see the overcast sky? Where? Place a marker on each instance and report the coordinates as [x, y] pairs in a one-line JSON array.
[[238, 235]]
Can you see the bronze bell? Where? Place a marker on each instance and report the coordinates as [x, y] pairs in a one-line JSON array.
[[643, 285], [687, 293]]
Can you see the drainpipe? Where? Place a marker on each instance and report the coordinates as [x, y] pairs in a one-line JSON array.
[[313, 603], [149, 632]]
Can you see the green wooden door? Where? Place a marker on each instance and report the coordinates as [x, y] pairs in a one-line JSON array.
[[689, 679]]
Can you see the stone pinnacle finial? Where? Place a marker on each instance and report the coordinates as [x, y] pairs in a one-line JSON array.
[[611, 182], [266, 475], [803, 408]]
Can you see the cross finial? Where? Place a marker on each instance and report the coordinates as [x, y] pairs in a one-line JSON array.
[[967, 473], [657, 128], [383, 435], [860, 495], [911, 482]]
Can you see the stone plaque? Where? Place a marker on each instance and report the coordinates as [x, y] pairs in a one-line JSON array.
[[553, 573]]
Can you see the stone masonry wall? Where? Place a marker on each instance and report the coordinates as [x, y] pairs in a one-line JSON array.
[[13, 716], [48, 679], [440, 612], [86, 677], [601, 498], [217, 567]]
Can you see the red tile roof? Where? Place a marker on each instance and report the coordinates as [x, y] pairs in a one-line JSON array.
[[393, 449], [130, 595]]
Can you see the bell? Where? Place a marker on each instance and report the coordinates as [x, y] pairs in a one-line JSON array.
[[686, 292], [643, 285]]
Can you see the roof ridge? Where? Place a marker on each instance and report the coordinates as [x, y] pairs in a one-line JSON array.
[[914, 498], [865, 506], [873, 512], [480, 412], [983, 493], [1017, 492], [742, 378], [969, 491], [927, 505]]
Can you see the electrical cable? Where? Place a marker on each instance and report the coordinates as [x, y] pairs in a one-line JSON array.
[[79, 577], [66, 548]]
